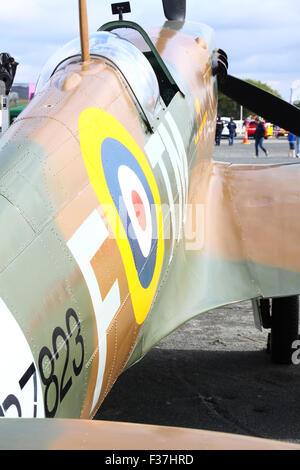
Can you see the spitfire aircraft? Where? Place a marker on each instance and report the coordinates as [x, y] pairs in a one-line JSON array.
[[118, 227]]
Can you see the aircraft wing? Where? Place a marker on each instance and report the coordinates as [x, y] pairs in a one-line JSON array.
[[72, 434], [241, 242]]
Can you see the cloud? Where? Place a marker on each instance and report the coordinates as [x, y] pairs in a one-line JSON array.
[[15, 12], [260, 15], [262, 38], [296, 84]]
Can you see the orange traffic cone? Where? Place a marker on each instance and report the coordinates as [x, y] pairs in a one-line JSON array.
[[245, 141]]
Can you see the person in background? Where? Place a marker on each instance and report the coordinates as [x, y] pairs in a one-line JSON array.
[[232, 131], [298, 147], [292, 144], [219, 130], [248, 120], [259, 136]]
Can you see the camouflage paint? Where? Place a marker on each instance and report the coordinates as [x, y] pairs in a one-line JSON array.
[[54, 190]]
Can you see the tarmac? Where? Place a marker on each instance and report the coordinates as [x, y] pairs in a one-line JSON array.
[[214, 372], [241, 153]]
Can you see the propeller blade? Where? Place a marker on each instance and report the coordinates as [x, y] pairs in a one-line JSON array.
[[263, 103], [175, 10]]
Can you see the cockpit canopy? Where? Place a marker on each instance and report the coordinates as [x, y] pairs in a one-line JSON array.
[[128, 59]]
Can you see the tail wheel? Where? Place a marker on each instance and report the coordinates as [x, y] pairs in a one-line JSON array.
[[284, 328]]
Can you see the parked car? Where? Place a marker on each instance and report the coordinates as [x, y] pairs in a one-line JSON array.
[[252, 129], [279, 132], [225, 132], [226, 121], [270, 129]]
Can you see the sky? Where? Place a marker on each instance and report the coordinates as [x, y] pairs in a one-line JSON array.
[[260, 37]]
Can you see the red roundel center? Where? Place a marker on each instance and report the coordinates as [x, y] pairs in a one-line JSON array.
[[139, 209]]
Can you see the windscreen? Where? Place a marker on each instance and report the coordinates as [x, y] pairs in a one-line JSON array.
[[122, 53]]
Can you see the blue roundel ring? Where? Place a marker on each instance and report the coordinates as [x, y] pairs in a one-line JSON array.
[[113, 155]]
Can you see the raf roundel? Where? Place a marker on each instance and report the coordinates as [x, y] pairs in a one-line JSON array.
[[132, 196], [137, 204], [126, 188]]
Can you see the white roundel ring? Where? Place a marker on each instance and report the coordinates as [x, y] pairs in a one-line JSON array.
[[138, 207]]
